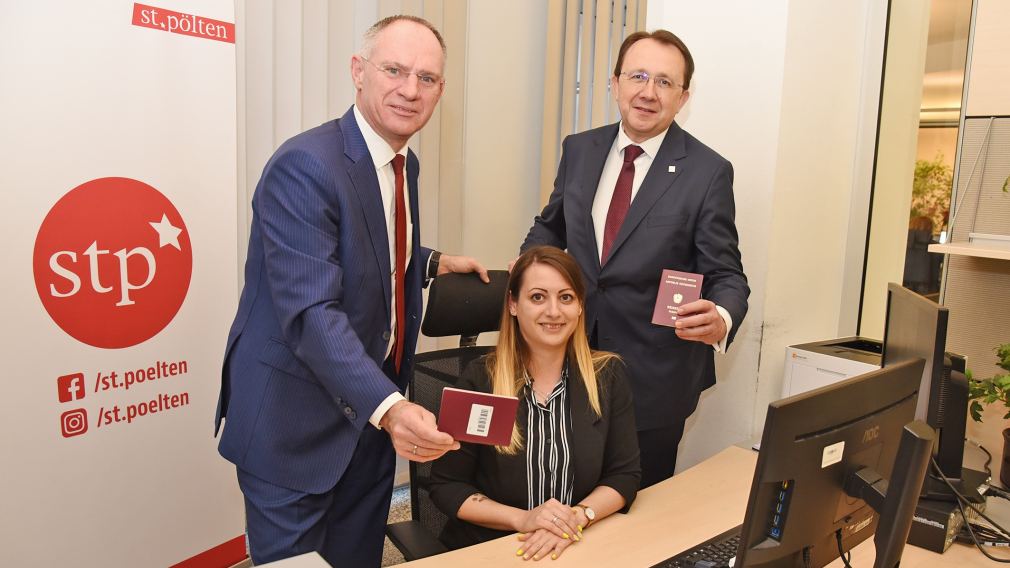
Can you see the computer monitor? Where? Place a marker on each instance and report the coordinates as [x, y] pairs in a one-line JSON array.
[[828, 467], [916, 328]]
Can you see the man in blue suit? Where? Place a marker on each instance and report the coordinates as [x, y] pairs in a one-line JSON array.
[[634, 198], [322, 345]]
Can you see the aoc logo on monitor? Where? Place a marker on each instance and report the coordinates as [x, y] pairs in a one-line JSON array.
[[871, 434], [112, 262]]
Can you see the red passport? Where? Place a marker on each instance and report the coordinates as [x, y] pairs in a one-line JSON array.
[[478, 417], [675, 289]]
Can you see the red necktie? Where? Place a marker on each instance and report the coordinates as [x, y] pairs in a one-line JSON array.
[[621, 201], [400, 261]]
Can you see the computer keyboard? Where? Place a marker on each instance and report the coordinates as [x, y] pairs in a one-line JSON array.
[[716, 552]]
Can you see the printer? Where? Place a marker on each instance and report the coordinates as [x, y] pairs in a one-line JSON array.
[[814, 365]]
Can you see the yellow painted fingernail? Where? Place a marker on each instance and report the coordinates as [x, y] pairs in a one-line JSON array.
[[519, 552], [580, 528], [554, 557], [565, 535]]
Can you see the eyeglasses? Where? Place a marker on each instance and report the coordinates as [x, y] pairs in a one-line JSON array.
[[641, 78], [399, 75]]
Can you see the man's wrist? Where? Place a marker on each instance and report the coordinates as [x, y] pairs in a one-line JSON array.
[[433, 260], [721, 345], [380, 415]]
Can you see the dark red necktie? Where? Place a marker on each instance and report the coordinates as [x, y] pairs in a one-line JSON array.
[[400, 260], [621, 201]]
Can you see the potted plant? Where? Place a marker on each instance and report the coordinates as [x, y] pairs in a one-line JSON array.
[[991, 390], [931, 187]]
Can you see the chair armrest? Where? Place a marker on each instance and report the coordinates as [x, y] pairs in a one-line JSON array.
[[413, 540]]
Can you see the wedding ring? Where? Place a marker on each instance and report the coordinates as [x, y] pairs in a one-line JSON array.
[[555, 519], [414, 451]]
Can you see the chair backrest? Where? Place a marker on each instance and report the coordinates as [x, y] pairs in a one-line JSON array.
[[458, 304], [432, 372], [463, 305]]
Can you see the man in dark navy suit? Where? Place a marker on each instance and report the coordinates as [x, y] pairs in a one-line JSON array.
[[634, 198], [322, 345]]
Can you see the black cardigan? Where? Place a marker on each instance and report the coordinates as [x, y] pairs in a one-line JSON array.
[[604, 452]]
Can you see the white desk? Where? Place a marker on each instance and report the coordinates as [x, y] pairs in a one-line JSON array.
[[673, 516]]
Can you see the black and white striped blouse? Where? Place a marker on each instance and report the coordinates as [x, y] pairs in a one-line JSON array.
[[549, 471]]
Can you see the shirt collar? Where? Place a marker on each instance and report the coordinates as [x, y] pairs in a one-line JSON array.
[[382, 154], [560, 386], [650, 146]]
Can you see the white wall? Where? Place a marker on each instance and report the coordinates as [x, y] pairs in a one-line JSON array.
[[990, 66], [502, 126], [892, 188], [775, 94]]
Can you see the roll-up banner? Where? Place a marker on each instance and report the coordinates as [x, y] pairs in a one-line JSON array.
[[118, 215]]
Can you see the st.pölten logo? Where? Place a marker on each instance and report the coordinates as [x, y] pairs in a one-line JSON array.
[[113, 262]]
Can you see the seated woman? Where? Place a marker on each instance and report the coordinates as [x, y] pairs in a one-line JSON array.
[[573, 458]]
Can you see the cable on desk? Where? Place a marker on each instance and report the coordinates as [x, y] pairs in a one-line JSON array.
[[999, 492], [988, 459], [991, 537], [988, 471], [845, 556], [961, 501]]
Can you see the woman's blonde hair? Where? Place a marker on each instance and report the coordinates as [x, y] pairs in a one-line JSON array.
[[506, 365]]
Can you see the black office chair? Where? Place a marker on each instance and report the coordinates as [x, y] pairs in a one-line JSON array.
[[458, 304]]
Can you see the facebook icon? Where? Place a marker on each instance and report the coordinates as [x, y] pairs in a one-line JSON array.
[[70, 387]]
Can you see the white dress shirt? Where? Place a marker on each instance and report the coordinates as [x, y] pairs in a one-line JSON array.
[[382, 156], [605, 193]]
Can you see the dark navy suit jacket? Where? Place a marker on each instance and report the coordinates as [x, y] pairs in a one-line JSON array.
[[302, 370], [681, 220]]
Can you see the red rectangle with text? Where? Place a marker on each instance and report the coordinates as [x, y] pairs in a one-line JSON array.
[[184, 24]]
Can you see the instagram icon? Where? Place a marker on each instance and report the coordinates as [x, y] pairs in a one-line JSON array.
[[74, 422]]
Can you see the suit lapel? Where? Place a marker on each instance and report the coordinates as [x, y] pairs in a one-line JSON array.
[[583, 419], [655, 184], [595, 160], [366, 185], [414, 264], [582, 414]]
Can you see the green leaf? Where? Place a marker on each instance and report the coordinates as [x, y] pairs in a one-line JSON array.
[[976, 411], [992, 389]]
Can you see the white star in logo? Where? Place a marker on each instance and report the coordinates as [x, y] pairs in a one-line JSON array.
[[167, 234]]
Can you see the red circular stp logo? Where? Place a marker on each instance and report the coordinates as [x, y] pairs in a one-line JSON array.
[[113, 262]]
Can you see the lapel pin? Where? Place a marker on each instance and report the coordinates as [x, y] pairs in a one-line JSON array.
[[671, 169]]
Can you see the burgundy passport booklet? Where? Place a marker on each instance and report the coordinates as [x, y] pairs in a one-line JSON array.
[[478, 417], [675, 289]]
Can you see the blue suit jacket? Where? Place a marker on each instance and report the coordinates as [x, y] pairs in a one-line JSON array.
[[682, 220], [302, 371]]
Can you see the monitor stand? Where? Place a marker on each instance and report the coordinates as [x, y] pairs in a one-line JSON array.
[[969, 485]]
